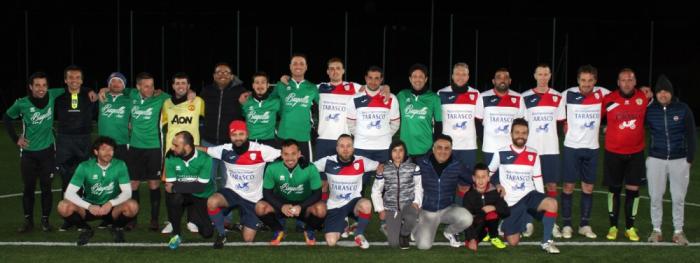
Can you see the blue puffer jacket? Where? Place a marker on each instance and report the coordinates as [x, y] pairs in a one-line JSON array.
[[439, 190], [672, 130]]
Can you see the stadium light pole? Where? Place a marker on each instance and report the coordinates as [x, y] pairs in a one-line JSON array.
[[238, 43]]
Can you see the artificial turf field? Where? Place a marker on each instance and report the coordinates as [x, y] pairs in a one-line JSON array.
[[146, 246]]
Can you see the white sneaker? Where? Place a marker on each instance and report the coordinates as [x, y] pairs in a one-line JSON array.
[[587, 231], [567, 232], [192, 227], [555, 231], [413, 239], [167, 229], [361, 242], [549, 247], [453, 239], [500, 232], [349, 230], [529, 229]]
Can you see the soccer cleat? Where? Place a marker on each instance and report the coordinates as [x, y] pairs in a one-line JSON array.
[[219, 242], [118, 233], [103, 225], [154, 226], [655, 237], [529, 229], [612, 233], [167, 229], [85, 236], [486, 238], [361, 242], [452, 238], [404, 242], [192, 227], [631, 234], [587, 231], [471, 245], [45, 226], [556, 233], [277, 238], [680, 239], [174, 242], [350, 230], [310, 237], [549, 247], [65, 226], [496, 242], [567, 232], [27, 226]]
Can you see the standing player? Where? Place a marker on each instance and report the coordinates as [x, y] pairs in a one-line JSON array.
[[497, 108], [458, 109], [624, 150], [518, 169], [543, 109], [36, 146], [583, 115], [145, 147], [114, 114], [106, 193], [260, 111], [420, 112], [297, 98]]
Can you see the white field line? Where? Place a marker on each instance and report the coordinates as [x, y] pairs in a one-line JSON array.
[[340, 244]]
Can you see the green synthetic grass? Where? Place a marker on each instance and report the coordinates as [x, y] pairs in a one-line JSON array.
[[12, 218]]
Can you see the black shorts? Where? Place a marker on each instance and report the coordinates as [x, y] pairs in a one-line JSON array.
[[623, 168], [144, 164], [107, 217]]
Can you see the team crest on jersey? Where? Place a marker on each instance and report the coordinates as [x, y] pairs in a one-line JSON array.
[[190, 108], [356, 166], [32, 109], [289, 87], [281, 177], [555, 99], [639, 101], [512, 99], [178, 168], [471, 96], [346, 87], [530, 157], [597, 96], [94, 177], [676, 118], [253, 156]]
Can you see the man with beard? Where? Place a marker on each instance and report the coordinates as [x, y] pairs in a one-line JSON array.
[[106, 193], [458, 108], [260, 111], [519, 172], [580, 154], [188, 184], [496, 109], [245, 163]]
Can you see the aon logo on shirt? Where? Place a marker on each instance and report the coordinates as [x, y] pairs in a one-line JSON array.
[[181, 120]]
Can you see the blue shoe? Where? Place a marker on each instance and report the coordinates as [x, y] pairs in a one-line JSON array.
[[310, 237], [174, 242]]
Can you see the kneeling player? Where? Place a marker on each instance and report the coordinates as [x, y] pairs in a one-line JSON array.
[[517, 171], [291, 189], [106, 193]]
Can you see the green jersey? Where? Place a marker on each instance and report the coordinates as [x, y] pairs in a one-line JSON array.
[[100, 185], [296, 100], [417, 115], [294, 186], [37, 123], [261, 118], [197, 169], [113, 118], [145, 120]]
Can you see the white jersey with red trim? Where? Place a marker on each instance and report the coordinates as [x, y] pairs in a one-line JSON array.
[[332, 108], [542, 111], [458, 110], [373, 116], [519, 172], [497, 114], [245, 171], [583, 117], [344, 181]]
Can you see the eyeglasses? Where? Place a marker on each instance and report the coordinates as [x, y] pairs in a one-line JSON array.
[[222, 72]]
